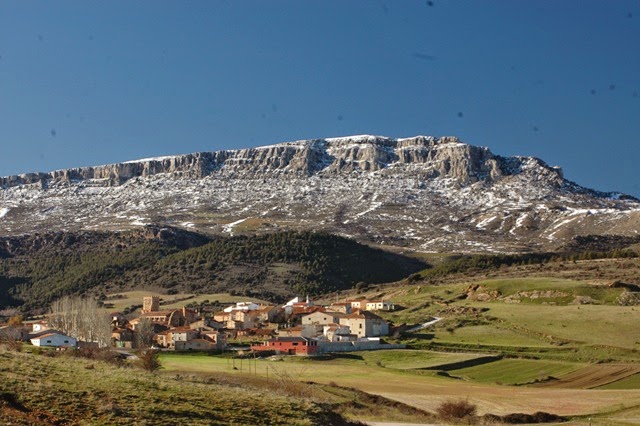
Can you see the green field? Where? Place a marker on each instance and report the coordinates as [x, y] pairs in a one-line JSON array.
[[632, 382], [413, 359], [514, 371], [607, 325], [490, 335]]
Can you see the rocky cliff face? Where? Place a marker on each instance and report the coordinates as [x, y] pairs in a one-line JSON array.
[[422, 192]]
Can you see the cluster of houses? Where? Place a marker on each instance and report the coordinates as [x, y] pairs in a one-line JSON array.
[[298, 327]]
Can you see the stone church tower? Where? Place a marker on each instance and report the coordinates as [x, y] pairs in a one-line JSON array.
[[150, 304]]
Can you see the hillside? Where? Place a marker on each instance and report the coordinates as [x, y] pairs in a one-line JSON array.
[[64, 390], [40, 268], [577, 310], [424, 193]]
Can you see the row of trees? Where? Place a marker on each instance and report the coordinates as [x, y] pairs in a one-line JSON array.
[[80, 318]]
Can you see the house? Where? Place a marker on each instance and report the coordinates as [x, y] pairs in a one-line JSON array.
[[218, 339], [39, 326], [169, 338], [296, 304], [338, 333], [358, 303], [122, 337], [342, 307], [206, 324], [117, 319], [289, 346], [242, 306], [54, 339], [365, 324], [379, 305], [321, 318], [267, 313], [307, 330], [171, 318], [195, 345], [181, 334]]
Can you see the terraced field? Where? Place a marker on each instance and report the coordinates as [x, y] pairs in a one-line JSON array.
[[593, 376]]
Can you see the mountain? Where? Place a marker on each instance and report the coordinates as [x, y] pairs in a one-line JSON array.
[[422, 193]]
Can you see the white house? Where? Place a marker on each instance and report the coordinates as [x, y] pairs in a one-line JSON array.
[[54, 339], [242, 306]]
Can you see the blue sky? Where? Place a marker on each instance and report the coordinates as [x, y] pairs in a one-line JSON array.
[[88, 83]]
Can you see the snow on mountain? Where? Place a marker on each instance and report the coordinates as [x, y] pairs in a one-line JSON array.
[[424, 193]]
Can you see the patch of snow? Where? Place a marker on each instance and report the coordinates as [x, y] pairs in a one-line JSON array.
[[3, 212], [485, 222], [188, 224], [373, 207], [138, 221], [519, 221], [144, 160], [355, 138], [229, 226]]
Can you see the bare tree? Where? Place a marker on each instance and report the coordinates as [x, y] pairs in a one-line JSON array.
[[144, 333], [80, 318]]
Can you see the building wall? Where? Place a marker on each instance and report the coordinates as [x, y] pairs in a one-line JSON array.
[[150, 304], [55, 340]]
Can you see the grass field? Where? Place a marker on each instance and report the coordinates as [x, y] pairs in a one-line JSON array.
[[515, 371], [424, 391], [631, 382], [607, 325], [413, 359]]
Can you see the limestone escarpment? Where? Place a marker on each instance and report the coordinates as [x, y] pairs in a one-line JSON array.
[[432, 157], [422, 192]]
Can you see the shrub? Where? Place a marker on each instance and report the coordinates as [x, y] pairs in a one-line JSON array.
[[148, 360], [456, 410]]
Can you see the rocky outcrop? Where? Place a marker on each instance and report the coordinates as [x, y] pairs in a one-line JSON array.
[[427, 156], [424, 193]]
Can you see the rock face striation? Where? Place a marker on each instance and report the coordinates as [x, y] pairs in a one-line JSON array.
[[425, 193]]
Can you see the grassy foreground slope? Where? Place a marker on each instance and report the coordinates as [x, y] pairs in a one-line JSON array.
[[36, 389]]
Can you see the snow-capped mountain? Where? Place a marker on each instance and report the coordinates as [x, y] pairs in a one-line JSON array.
[[425, 193]]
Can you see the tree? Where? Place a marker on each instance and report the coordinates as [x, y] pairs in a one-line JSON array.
[[145, 333], [15, 320], [80, 318]]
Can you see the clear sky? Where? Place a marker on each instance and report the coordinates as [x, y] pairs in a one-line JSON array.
[[88, 83]]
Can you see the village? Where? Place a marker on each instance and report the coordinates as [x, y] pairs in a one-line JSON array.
[[298, 327]]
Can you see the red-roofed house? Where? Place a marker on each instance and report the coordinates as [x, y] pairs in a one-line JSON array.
[[289, 346]]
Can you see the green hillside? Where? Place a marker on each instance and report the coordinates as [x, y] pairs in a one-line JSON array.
[[273, 266]]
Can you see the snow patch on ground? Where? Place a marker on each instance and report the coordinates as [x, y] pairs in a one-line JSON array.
[[138, 221], [229, 226], [373, 207], [3, 212], [485, 222]]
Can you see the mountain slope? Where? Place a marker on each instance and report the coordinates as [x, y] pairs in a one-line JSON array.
[[426, 193], [38, 269]]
